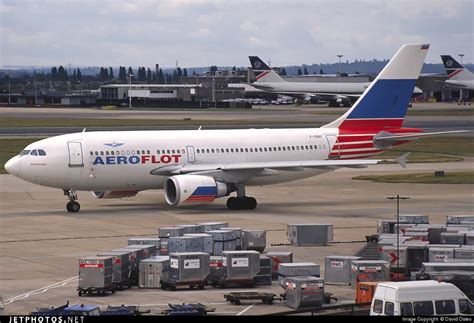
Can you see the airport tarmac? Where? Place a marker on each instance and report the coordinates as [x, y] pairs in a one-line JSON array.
[[272, 116], [40, 242]]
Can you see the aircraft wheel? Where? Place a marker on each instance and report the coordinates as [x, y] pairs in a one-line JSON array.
[[232, 203], [251, 203], [73, 207]]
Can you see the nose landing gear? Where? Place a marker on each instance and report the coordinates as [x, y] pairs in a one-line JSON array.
[[72, 206]]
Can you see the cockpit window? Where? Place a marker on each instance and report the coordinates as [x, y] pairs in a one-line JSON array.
[[25, 152], [41, 152], [34, 153]]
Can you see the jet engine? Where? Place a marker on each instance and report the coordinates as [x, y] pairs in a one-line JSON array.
[[194, 189], [113, 194]]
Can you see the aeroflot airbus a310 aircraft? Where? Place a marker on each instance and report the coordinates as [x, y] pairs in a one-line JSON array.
[[198, 166]]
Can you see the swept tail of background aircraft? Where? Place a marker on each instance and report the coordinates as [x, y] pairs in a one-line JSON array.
[[458, 76]]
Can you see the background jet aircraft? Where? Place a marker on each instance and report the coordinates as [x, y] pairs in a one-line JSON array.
[[459, 77], [342, 93]]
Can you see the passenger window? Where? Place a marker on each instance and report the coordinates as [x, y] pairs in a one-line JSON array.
[[311, 147], [34, 153], [143, 152], [378, 306], [246, 150], [197, 150], [279, 148], [302, 147], [148, 152], [92, 154], [389, 308], [406, 309], [306, 147], [260, 149], [138, 152], [227, 150], [423, 308], [231, 150], [107, 152], [172, 151], [465, 307], [102, 153], [284, 148], [265, 149], [212, 150], [445, 307], [112, 152], [297, 147], [168, 152], [269, 148], [208, 151], [96, 153]]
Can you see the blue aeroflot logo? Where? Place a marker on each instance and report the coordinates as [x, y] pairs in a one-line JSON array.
[[115, 145]]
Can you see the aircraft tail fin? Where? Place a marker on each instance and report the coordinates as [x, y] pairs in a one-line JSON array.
[[263, 73], [384, 103], [455, 70]]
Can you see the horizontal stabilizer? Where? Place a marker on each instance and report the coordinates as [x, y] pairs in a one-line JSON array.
[[388, 137]]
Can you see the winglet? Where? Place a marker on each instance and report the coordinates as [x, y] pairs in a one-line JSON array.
[[402, 160]]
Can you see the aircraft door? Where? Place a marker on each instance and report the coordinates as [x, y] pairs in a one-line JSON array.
[[191, 154], [332, 141], [75, 154]]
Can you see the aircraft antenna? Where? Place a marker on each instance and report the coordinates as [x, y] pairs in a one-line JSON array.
[[84, 130]]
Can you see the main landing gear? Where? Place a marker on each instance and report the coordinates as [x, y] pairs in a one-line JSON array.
[[241, 202], [72, 206]]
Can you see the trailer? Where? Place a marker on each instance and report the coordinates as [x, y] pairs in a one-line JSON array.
[[173, 285], [188, 310], [96, 291], [223, 283], [237, 297]]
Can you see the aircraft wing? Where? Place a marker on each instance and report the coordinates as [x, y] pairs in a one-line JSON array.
[[277, 165]]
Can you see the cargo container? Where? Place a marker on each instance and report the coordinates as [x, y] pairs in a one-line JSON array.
[[447, 266], [396, 258], [207, 241], [222, 241], [153, 271], [369, 270], [417, 253], [146, 241], [309, 234], [463, 253], [403, 227], [387, 226], [417, 235], [279, 257], [434, 232], [458, 228], [238, 236], [453, 238], [216, 269], [414, 218], [121, 267], [304, 291], [254, 240], [264, 276], [297, 269], [188, 268], [210, 226], [149, 250], [460, 219], [136, 255], [365, 291], [96, 275], [470, 238], [243, 264], [337, 269], [191, 228], [440, 254], [185, 244], [165, 233]]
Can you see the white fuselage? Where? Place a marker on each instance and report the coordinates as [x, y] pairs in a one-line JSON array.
[[83, 161], [331, 88], [460, 84]]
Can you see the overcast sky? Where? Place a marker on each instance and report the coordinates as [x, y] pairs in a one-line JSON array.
[[212, 32]]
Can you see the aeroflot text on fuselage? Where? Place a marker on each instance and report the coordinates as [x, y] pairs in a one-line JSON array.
[[135, 159]]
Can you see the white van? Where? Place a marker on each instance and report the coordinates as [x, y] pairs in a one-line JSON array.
[[420, 298]]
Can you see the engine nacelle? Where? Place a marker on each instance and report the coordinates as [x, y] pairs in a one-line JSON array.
[[113, 194], [193, 189]]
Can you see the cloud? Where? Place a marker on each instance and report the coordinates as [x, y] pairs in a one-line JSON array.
[[215, 32]]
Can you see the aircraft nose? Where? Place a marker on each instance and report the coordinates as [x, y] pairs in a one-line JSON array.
[[13, 166]]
